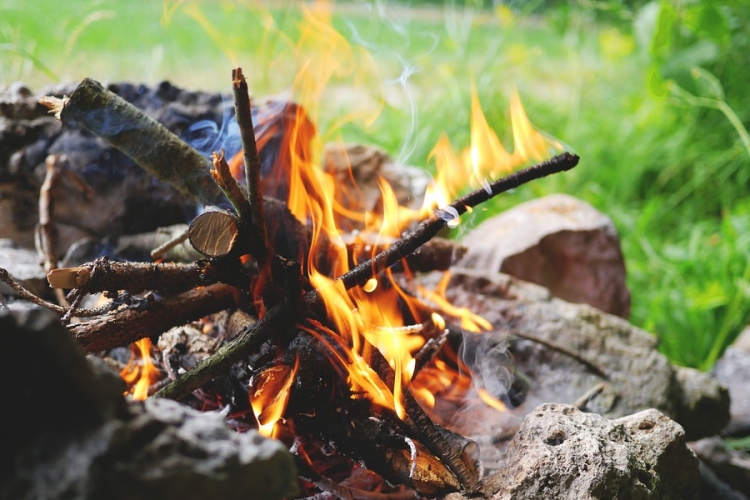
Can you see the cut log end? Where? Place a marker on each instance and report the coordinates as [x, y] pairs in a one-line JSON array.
[[214, 234]]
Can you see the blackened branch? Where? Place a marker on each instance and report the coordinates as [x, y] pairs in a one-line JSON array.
[[428, 228]]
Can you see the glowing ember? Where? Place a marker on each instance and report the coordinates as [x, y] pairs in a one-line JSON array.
[[140, 372]]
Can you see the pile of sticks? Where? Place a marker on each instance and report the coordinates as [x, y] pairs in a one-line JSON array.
[[272, 288]]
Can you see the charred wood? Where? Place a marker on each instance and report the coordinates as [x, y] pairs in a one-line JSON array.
[[128, 324]]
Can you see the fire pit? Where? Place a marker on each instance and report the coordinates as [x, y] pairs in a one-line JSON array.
[[311, 304]]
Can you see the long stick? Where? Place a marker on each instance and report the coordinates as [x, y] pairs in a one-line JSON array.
[[149, 143], [428, 228], [284, 314]]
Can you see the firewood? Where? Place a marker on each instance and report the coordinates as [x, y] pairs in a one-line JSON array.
[[150, 144], [222, 175], [284, 314], [128, 324], [134, 277], [215, 233], [429, 228], [320, 404], [244, 116]]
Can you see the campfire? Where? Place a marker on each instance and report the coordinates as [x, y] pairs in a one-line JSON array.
[[333, 347], [305, 318]]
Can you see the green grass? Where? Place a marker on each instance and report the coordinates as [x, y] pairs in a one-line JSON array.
[[669, 164]]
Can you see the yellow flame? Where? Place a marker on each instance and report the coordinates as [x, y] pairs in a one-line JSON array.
[[269, 395], [485, 158], [140, 372]]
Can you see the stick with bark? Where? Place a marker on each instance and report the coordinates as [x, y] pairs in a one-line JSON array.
[[150, 144], [123, 327], [244, 116], [135, 277], [283, 314]]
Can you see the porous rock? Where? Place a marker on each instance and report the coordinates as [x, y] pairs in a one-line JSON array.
[[638, 377], [562, 453], [69, 432], [558, 242]]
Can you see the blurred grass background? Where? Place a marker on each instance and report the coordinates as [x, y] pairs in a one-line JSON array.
[[652, 95]]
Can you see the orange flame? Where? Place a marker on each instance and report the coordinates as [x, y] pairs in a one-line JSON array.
[[370, 316], [140, 372], [485, 158], [269, 395]]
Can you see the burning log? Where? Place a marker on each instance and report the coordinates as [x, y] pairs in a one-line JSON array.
[[264, 330], [321, 404]]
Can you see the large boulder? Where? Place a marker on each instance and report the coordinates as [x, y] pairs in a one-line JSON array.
[[558, 242]]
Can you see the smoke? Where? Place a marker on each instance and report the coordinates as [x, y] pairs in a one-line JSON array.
[[487, 357], [207, 136]]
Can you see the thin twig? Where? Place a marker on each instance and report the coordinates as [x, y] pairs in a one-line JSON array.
[[581, 402], [428, 228], [223, 177], [46, 231], [244, 116], [162, 250], [6, 278]]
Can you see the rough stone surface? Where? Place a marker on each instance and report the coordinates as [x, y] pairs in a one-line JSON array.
[[24, 266], [638, 377], [562, 453], [733, 370], [731, 466], [70, 433], [558, 242]]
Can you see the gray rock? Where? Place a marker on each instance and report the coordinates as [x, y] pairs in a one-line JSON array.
[[733, 370], [562, 453], [713, 488], [731, 466], [638, 377], [24, 266], [70, 433], [558, 242]]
